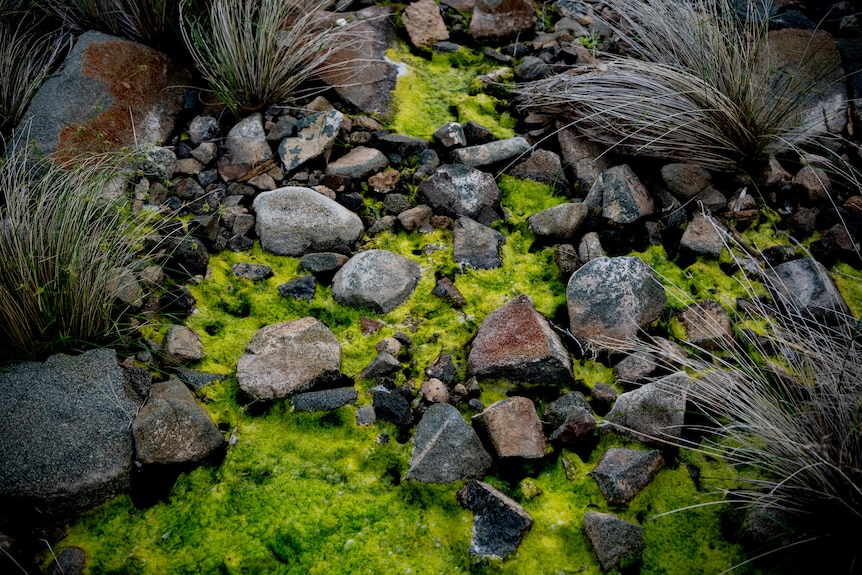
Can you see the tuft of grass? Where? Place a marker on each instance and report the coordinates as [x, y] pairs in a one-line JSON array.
[[255, 53], [697, 85], [782, 403], [65, 252]]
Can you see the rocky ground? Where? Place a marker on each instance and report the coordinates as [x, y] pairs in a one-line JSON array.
[[447, 290]]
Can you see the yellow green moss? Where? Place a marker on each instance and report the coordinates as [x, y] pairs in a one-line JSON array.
[[849, 283]]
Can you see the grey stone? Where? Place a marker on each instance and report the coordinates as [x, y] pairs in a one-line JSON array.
[[566, 259], [445, 448], [622, 474], [292, 221], [635, 367], [516, 343], [358, 163], [383, 364], [624, 199], [189, 257], [391, 407], [450, 135], [172, 428], [707, 325], [805, 287], [613, 540], [316, 134], [558, 411], [156, 162], [413, 219], [685, 181], [511, 428], [246, 142], [458, 190], [492, 153], [396, 203], [501, 18], [254, 272], [590, 248], [188, 166], [499, 522], [434, 391], [532, 68], [446, 290], [285, 127], [302, 287], [323, 262], [70, 561], [814, 184], [703, 236], [324, 400], [652, 414], [399, 147], [204, 129], [72, 415], [542, 166], [205, 153], [424, 23], [443, 368], [569, 418], [560, 222], [613, 297], [586, 158], [376, 279], [365, 415], [476, 245], [286, 358], [182, 345]]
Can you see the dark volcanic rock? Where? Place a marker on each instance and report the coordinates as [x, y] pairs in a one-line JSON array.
[[612, 539], [652, 413], [476, 245], [499, 522], [324, 400], [804, 285], [623, 473], [458, 190]]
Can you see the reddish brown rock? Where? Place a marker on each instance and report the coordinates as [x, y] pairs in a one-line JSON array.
[[502, 18], [424, 23], [512, 428]]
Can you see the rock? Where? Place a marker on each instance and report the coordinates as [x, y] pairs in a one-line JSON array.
[[434, 391], [204, 129], [324, 400], [376, 279], [586, 158], [189, 257], [289, 357], [516, 343], [590, 248], [384, 182], [703, 236], [315, 135], [292, 221], [450, 135], [613, 297], [398, 203], [383, 364], [813, 184], [569, 419], [476, 245], [612, 539], [428, 161], [443, 368], [182, 345], [285, 127], [512, 428], [491, 154], [622, 474], [391, 407], [365, 415], [499, 522], [172, 428], [303, 287], [246, 142], [502, 18], [635, 367], [358, 163], [193, 378], [323, 265], [707, 325], [84, 106], [445, 448], [542, 166], [652, 414], [458, 190], [72, 414], [624, 199], [446, 290], [559, 222], [399, 147], [156, 162], [424, 23], [254, 272], [805, 287], [532, 68], [685, 181], [603, 397], [413, 219]]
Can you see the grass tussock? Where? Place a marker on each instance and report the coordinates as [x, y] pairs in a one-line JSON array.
[[65, 253], [256, 53], [697, 83], [782, 403]]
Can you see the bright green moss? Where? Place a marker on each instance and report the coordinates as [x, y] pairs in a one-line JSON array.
[[849, 283]]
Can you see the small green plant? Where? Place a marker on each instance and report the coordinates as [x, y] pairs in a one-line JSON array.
[[65, 252], [255, 53]]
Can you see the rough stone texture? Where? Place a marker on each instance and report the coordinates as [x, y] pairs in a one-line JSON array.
[[685, 181], [492, 153], [703, 236], [72, 415], [542, 166], [446, 290], [613, 297], [612, 539], [516, 343], [458, 190], [84, 106], [324, 400], [315, 135], [445, 448], [288, 357], [476, 245], [302, 287], [502, 18], [813, 183], [707, 325], [569, 419], [499, 522], [635, 367], [291, 221], [623, 197], [805, 285], [424, 23], [204, 129], [70, 561], [172, 428], [622, 474], [323, 262], [559, 222], [511, 428], [434, 391], [383, 364], [651, 413], [246, 142], [376, 279], [443, 368], [450, 135], [189, 257], [414, 218], [358, 163], [590, 247], [156, 162], [254, 272], [391, 407], [182, 345], [586, 158]]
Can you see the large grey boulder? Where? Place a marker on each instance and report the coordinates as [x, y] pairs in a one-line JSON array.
[[613, 297], [445, 448], [805, 287], [516, 343], [499, 522], [613, 540], [379, 280], [85, 106], [459, 190], [292, 221], [286, 358], [654, 413], [172, 428], [65, 439]]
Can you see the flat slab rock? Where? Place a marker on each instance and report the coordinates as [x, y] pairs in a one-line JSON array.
[[72, 415], [379, 280], [516, 343], [286, 358], [499, 522]]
